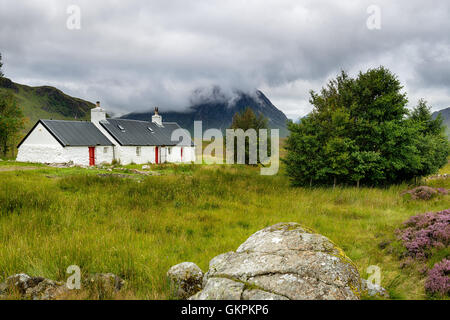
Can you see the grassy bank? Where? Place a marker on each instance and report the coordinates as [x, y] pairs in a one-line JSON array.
[[137, 228]]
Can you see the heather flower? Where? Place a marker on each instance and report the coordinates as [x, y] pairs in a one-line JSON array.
[[424, 232], [438, 281]]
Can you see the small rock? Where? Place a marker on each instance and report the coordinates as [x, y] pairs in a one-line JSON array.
[[46, 290], [105, 282], [21, 282], [3, 287], [185, 279], [139, 172], [145, 167]]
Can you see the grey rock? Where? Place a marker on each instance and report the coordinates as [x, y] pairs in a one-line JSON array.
[[46, 290], [256, 294], [220, 289], [185, 279], [105, 282], [20, 282], [3, 287], [36, 288], [283, 261]]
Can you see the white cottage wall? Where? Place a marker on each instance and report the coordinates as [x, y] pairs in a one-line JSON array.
[[78, 155], [174, 154], [127, 155], [40, 147], [104, 154]]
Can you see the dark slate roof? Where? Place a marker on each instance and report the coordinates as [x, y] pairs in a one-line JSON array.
[[74, 133], [137, 133]]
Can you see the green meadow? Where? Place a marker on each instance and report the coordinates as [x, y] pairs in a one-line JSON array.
[[139, 226]]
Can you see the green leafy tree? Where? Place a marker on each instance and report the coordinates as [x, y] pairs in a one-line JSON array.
[[245, 120], [12, 122], [431, 142], [360, 131]]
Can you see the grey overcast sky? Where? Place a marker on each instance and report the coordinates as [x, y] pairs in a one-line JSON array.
[[133, 55]]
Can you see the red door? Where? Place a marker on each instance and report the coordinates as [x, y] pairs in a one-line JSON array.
[[156, 155], [181, 154], [92, 156]]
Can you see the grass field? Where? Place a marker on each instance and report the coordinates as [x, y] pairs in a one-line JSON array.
[[138, 228]]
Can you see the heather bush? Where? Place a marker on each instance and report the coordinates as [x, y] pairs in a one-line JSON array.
[[438, 281], [425, 232]]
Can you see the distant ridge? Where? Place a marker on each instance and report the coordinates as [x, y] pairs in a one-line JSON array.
[[445, 114], [46, 102], [217, 112]]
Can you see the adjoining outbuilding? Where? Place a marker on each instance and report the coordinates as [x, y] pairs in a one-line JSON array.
[[103, 140]]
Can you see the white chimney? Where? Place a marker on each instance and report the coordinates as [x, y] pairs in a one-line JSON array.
[[98, 114], [156, 118]]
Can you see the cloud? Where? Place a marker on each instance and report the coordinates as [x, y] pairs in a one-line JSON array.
[[135, 55]]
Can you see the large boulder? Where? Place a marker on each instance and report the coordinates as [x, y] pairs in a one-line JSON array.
[[284, 261], [185, 279]]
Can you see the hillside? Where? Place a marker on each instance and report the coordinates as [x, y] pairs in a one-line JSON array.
[[445, 114], [218, 113], [46, 102]]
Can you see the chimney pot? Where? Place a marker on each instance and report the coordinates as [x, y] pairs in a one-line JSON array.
[[156, 118]]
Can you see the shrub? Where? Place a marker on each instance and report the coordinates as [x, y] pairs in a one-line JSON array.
[[361, 132], [438, 281], [424, 232]]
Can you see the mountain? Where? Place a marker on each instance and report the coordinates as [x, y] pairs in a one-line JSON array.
[[445, 115], [46, 102], [216, 111]]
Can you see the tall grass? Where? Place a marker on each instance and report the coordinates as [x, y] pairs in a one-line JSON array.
[[138, 228]]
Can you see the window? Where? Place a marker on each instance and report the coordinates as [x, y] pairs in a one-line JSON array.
[[105, 150], [170, 150], [138, 151], [150, 129], [121, 128]]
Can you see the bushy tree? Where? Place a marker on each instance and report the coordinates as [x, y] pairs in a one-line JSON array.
[[245, 120], [360, 131], [431, 141], [11, 121]]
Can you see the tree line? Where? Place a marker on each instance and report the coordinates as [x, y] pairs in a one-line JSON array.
[[361, 132], [12, 120]]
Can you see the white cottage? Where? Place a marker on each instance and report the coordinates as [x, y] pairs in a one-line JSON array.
[[104, 140]]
